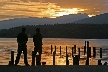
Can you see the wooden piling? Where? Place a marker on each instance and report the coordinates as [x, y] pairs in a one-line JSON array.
[[100, 52], [72, 51], [38, 59], [55, 49], [85, 44], [76, 60], [66, 50], [33, 59], [54, 58], [12, 57], [105, 63], [99, 62], [60, 50], [79, 52], [89, 52], [94, 52], [51, 49], [84, 50], [75, 49], [43, 63], [87, 61], [67, 61]]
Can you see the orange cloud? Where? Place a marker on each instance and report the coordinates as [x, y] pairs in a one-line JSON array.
[[13, 9]]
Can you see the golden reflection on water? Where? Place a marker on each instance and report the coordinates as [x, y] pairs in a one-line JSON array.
[[10, 44]]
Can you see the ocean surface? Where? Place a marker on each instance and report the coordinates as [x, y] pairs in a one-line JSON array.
[[10, 44]]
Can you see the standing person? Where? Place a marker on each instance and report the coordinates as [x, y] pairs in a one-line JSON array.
[[37, 39], [22, 39]]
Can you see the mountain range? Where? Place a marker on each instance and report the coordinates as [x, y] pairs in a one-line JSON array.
[[72, 18], [6, 24], [99, 19]]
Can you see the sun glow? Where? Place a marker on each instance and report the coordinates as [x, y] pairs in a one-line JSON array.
[[66, 11], [91, 15]]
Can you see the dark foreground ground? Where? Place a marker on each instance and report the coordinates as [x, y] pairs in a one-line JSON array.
[[90, 68]]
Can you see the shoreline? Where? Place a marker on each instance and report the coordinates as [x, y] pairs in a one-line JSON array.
[[56, 68]]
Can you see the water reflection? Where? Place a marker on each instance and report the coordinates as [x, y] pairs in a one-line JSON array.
[[9, 44]]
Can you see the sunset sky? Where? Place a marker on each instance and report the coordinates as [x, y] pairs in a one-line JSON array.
[[10, 9]]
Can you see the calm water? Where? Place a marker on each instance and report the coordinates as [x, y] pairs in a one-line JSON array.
[[9, 44]]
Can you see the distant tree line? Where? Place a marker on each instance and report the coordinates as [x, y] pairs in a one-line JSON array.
[[82, 31]]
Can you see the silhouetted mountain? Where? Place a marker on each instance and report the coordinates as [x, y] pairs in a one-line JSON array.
[[99, 19], [41, 21]]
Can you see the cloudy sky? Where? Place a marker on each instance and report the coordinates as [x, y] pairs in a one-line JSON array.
[[10, 9]]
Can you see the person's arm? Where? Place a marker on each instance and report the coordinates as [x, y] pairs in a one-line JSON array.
[[18, 38], [41, 36], [33, 38], [26, 38]]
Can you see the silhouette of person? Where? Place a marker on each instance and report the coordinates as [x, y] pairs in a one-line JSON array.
[[37, 39], [22, 39]]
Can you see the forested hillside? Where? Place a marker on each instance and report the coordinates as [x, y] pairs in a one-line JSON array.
[[94, 31]]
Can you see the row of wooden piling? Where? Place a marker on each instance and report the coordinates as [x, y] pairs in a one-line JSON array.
[[87, 50]]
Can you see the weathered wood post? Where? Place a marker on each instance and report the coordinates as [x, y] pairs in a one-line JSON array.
[[76, 60], [66, 50], [33, 59], [100, 52], [54, 58], [105, 63], [60, 50], [87, 44], [55, 49], [79, 52], [43, 63], [51, 49], [89, 52], [99, 62], [85, 48], [67, 61], [38, 59], [94, 52], [72, 51], [12, 57], [75, 49], [87, 61]]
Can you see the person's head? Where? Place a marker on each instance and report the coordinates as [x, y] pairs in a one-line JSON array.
[[23, 30], [37, 30]]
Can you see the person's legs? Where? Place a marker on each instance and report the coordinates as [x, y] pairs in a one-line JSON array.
[[40, 49], [25, 56], [18, 56], [35, 50]]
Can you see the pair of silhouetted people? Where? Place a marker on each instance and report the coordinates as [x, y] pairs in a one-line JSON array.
[[22, 39]]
